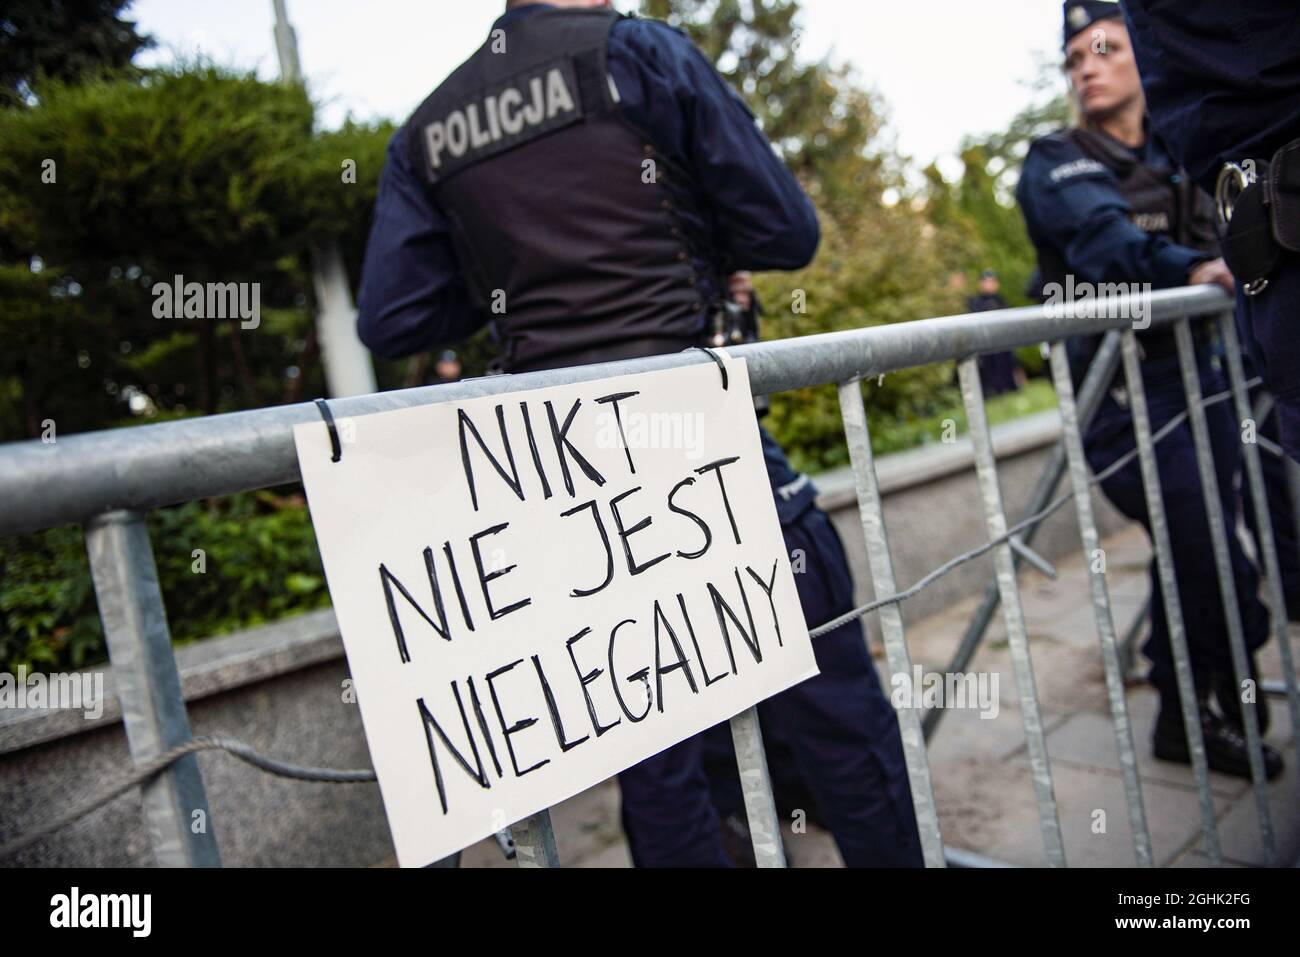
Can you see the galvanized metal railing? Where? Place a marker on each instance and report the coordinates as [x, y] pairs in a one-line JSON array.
[[108, 481]]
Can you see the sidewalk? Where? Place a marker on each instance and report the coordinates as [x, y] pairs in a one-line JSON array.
[[979, 765]]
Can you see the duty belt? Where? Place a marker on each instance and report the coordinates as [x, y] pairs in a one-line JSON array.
[[1259, 208]]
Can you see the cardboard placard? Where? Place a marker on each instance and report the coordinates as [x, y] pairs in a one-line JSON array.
[[538, 590]]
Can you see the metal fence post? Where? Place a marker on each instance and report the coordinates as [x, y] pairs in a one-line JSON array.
[[1091, 541], [149, 687], [1223, 565], [1293, 487], [1164, 549], [972, 393], [1263, 520], [535, 841], [871, 512], [1095, 385], [756, 784]]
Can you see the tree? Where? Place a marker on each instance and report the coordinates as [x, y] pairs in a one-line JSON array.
[[194, 171], [823, 124], [981, 204], [66, 40], [980, 207], [876, 264], [1004, 152]]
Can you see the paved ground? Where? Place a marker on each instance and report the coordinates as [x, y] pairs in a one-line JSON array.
[[985, 799]]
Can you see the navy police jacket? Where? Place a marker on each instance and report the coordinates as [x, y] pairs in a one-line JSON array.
[[1222, 77], [414, 295], [1073, 205]]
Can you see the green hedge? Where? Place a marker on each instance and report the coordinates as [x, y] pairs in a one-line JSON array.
[[261, 562]]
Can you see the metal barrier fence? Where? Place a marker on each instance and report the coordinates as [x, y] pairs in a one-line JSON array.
[[108, 481]]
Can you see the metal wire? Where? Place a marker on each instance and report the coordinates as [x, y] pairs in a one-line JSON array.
[[155, 766]]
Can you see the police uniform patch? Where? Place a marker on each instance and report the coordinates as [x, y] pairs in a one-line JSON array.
[[1075, 168], [1157, 222], [509, 114]]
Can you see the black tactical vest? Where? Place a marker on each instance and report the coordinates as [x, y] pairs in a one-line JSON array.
[[566, 236], [1162, 200]]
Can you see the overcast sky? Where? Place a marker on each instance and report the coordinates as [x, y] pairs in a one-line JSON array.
[[945, 68]]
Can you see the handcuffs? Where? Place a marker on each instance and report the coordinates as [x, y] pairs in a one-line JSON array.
[[1258, 203]]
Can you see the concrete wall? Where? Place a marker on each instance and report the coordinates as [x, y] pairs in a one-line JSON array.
[[279, 688]]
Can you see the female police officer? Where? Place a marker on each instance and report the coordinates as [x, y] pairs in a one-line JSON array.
[[1103, 204]]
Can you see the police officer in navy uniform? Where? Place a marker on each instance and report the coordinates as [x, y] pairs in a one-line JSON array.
[[997, 369], [1103, 203], [1222, 82], [593, 177]]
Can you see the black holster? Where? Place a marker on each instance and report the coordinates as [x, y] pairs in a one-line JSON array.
[[1264, 227]]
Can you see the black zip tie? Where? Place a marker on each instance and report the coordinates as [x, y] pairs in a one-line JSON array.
[[334, 432], [715, 357]]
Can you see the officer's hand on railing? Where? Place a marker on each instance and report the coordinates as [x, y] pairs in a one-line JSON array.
[[1212, 272]]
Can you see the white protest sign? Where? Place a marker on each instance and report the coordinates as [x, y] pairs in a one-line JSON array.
[[538, 590]]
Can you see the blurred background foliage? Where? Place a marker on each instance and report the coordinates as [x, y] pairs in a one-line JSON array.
[[211, 173], [260, 563]]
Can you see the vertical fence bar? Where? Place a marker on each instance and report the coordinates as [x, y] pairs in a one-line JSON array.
[[1264, 522], [149, 687], [1100, 373], [1223, 566], [1137, 396], [756, 784], [1101, 605], [1293, 487], [535, 841], [1128, 646], [871, 512], [972, 394]]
